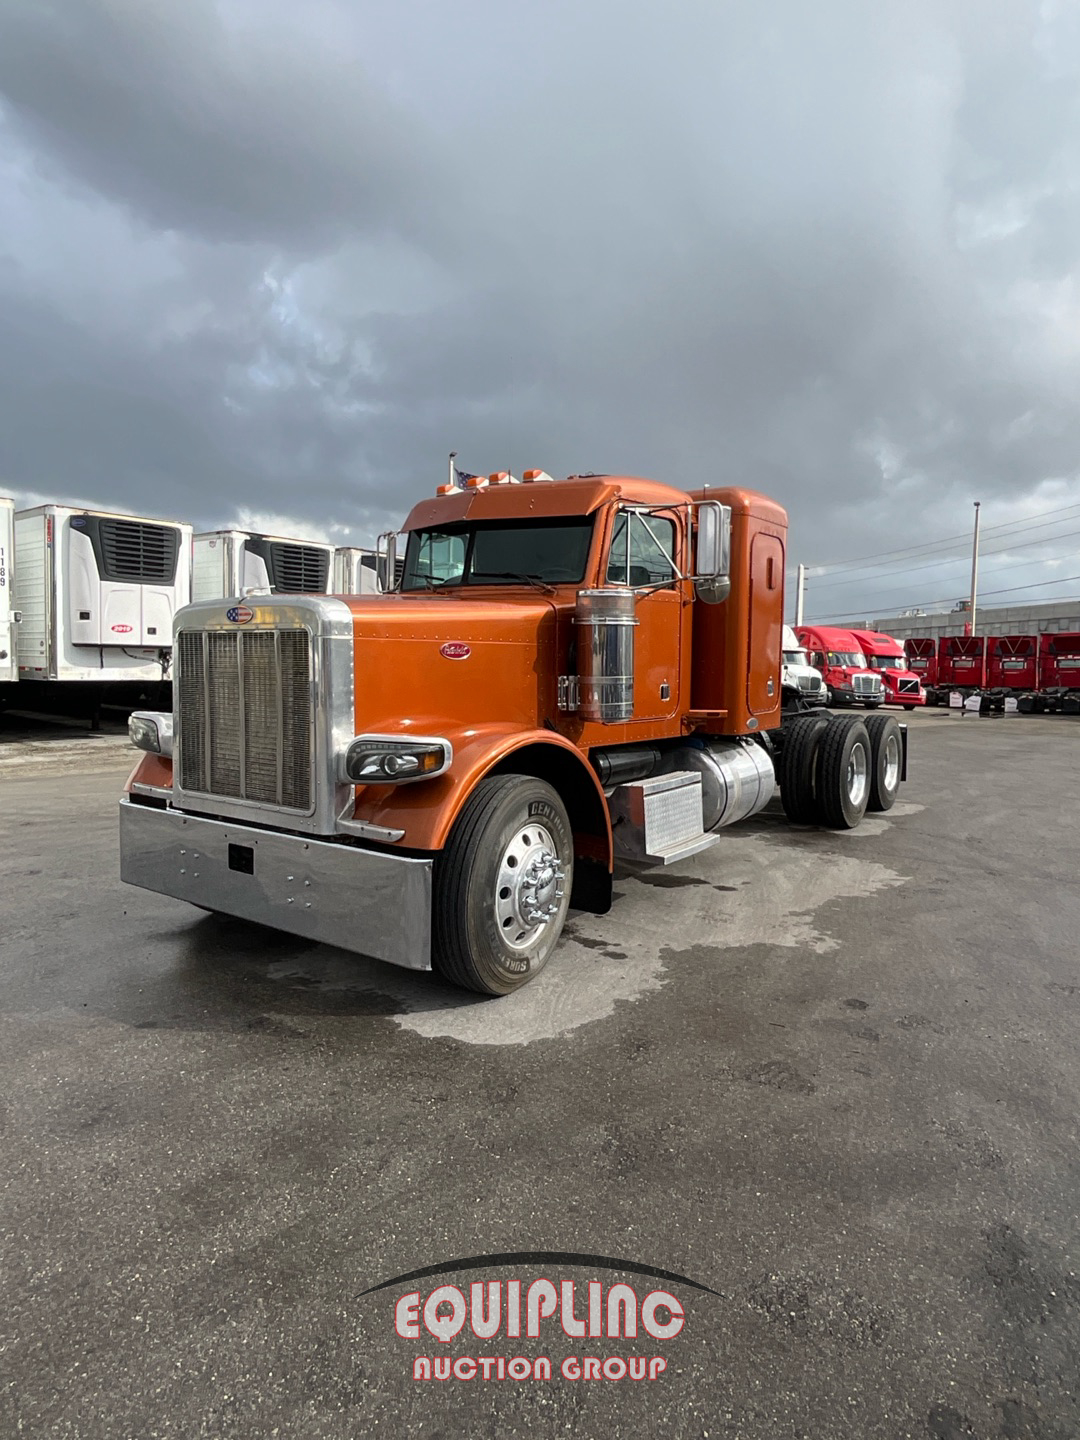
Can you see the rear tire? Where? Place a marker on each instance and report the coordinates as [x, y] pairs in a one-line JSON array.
[[798, 765], [844, 768], [502, 885], [887, 757]]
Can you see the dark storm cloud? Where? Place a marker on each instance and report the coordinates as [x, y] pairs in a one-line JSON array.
[[197, 126], [826, 251]]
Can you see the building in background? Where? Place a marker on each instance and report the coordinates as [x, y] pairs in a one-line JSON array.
[[1052, 617]]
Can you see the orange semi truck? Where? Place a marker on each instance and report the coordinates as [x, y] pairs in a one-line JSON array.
[[566, 674]]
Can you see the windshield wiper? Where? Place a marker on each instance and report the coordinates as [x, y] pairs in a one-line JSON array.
[[541, 585]]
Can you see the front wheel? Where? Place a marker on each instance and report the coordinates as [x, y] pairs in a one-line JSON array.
[[909, 707], [502, 885]]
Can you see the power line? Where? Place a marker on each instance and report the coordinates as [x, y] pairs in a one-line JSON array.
[[934, 564], [1015, 525], [1006, 590]]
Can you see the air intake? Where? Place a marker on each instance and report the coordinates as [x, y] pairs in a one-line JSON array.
[[134, 550], [298, 569]]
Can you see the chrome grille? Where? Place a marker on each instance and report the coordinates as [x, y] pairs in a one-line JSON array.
[[866, 684], [244, 715], [813, 683]]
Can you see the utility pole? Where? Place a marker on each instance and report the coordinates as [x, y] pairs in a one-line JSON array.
[[974, 568], [800, 586]]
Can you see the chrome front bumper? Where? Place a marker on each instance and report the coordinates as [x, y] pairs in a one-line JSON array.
[[375, 903]]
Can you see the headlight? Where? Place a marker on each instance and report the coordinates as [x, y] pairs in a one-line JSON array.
[[151, 730], [392, 759]]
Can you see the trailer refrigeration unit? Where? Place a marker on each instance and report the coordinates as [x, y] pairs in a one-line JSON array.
[[887, 657], [960, 666], [838, 655], [1012, 668], [922, 661], [569, 672], [356, 571], [227, 564], [1059, 673], [97, 593], [9, 664]]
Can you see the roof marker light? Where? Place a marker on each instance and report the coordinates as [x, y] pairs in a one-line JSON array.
[[448, 490], [503, 477], [476, 482], [534, 475]]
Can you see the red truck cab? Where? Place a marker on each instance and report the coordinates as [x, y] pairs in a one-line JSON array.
[[849, 680], [1012, 662], [1059, 671], [887, 657], [921, 655], [961, 662]]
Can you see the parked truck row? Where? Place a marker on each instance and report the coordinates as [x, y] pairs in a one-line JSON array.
[[561, 673], [1041, 672]]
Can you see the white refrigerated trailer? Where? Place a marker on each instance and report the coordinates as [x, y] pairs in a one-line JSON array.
[[228, 563], [356, 571], [9, 665], [97, 593]]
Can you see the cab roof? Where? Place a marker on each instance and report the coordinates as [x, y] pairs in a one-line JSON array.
[[577, 495]]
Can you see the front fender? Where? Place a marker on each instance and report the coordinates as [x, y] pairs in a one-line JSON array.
[[427, 809], [152, 773]]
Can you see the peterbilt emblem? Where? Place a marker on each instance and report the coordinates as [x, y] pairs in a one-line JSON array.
[[455, 650], [122, 629], [239, 614]]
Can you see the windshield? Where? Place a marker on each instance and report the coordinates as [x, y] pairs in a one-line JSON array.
[[850, 659], [794, 657], [500, 552], [886, 662]]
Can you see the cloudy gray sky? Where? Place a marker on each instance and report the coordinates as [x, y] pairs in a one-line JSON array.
[[270, 261]]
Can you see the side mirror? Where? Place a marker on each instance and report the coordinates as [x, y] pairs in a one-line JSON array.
[[712, 557], [386, 560]]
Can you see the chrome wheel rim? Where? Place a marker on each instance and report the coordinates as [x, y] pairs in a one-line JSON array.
[[529, 887], [858, 774], [892, 763]]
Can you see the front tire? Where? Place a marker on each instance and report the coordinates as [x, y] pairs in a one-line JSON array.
[[844, 767], [502, 885]]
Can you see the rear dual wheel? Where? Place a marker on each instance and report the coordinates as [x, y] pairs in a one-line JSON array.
[[502, 885], [835, 768], [887, 749]]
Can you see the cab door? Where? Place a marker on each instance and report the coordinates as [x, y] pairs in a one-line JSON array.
[[645, 550]]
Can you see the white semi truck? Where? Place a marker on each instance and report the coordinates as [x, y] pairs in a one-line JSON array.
[[796, 672]]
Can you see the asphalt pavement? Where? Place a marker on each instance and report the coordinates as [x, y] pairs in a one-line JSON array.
[[828, 1082]]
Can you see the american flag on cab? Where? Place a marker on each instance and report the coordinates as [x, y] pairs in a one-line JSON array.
[[460, 476]]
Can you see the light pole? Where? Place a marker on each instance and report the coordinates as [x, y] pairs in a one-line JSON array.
[[974, 567], [800, 586]]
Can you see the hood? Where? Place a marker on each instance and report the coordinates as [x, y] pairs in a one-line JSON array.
[[428, 662]]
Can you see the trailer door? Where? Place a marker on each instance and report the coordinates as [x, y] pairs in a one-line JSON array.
[[9, 664]]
